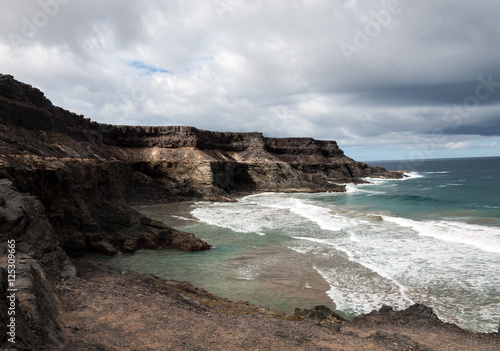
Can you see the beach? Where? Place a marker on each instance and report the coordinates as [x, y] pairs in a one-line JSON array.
[[431, 238]]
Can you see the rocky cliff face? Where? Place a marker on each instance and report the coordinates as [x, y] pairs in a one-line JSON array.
[[66, 185], [185, 161], [86, 174], [37, 258], [168, 162], [59, 157]]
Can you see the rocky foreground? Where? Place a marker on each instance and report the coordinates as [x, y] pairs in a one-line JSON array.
[[66, 188], [103, 308]]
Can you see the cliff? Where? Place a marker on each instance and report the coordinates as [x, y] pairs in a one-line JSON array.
[[157, 164], [87, 174], [68, 184]]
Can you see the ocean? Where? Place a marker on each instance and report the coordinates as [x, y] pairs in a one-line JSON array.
[[431, 238]]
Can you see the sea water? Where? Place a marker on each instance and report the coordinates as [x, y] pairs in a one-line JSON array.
[[431, 238]]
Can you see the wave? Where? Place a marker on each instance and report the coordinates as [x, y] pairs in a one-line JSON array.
[[451, 184], [416, 198], [481, 237], [325, 218], [407, 176], [354, 188], [262, 213], [403, 290], [412, 175], [183, 218], [357, 293], [272, 211], [381, 181], [236, 219]]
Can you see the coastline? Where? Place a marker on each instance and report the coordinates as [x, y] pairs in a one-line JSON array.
[[66, 189], [277, 270], [305, 288], [105, 308]]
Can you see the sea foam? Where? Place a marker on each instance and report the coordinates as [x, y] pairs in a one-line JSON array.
[[482, 237]]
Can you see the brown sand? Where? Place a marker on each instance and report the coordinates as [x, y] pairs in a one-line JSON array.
[[286, 273]]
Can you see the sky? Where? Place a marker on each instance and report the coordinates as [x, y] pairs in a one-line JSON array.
[[386, 79]]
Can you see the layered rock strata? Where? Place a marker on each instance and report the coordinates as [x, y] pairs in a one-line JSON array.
[[185, 161], [67, 185], [86, 174]]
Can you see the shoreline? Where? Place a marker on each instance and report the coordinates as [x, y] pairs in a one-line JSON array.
[[272, 276], [66, 190], [305, 286], [105, 308]]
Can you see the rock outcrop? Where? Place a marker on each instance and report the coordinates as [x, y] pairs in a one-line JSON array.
[[86, 174], [31, 258], [320, 314], [185, 161], [414, 315], [67, 185]]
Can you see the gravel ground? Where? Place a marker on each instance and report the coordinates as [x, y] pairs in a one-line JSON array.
[[104, 308]]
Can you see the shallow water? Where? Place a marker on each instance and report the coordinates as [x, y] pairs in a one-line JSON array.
[[433, 238]]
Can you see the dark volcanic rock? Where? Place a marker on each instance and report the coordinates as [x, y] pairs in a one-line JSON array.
[[25, 106], [415, 315], [320, 314], [23, 219], [85, 202], [86, 174], [415, 312], [168, 163], [38, 260]]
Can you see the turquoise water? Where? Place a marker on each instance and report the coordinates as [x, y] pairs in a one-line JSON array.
[[432, 238], [470, 187]]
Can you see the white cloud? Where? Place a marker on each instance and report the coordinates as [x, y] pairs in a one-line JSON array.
[[459, 145], [271, 66]]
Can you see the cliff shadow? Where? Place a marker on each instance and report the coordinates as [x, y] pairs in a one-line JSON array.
[[232, 176]]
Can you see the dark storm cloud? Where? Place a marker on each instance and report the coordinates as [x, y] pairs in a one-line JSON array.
[[425, 95], [487, 128], [274, 66]]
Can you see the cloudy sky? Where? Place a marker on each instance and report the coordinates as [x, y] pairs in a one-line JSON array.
[[387, 79]]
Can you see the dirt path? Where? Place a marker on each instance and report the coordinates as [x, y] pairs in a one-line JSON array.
[[107, 309]]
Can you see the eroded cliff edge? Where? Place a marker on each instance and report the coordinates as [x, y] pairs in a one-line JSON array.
[[67, 185], [86, 174], [185, 161]]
